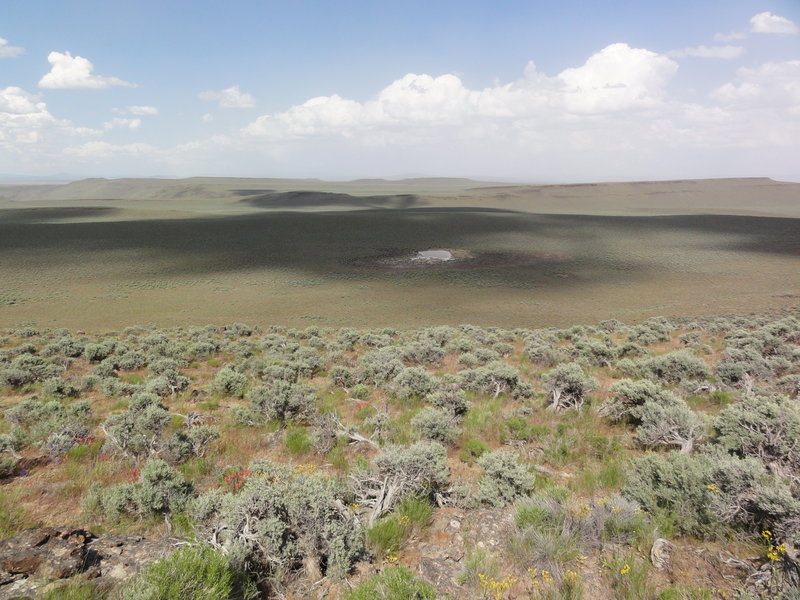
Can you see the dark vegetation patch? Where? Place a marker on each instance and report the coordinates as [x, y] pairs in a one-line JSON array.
[[325, 200], [320, 241], [45, 214]]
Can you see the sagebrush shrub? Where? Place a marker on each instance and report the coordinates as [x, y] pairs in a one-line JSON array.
[[765, 428], [230, 382], [160, 489], [413, 381], [283, 401], [138, 431], [568, 386], [434, 424], [676, 366], [281, 522], [505, 478]]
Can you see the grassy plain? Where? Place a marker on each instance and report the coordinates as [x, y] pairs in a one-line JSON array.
[[96, 254]]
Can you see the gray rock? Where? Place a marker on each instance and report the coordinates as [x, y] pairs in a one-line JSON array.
[[38, 557], [660, 553]]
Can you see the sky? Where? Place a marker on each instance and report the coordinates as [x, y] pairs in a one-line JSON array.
[[535, 91]]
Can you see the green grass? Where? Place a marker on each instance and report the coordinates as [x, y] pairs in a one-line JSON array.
[[387, 535], [478, 561], [13, 517], [608, 475], [197, 467], [191, 572], [297, 440], [685, 592], [628, 576], [472, 450], [484, 419], [76, 589], [395, 583], [418, 511]]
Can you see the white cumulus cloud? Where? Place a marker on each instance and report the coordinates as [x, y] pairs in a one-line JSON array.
[[420, 106], [729, 37], [25, 121], [122, 123], [771, 85], [75, 72], [136, 110], [9, 51], [766, 22], [617, 78], [231, 97], [708, 52]]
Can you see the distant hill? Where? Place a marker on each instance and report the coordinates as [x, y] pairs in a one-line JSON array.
[[224, 187], [752, 196]]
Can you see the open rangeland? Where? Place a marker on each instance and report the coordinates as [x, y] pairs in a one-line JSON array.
[[389, 390], [98, 253]]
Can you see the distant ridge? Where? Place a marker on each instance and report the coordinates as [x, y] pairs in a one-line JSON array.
[[214, 195]]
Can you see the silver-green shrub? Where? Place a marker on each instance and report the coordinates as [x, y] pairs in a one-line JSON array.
[[230, 382], [505, 478], [160, 490], [436, 425], [764, 428], [568, 386], [283, 401], [282, 522], [676, 366]]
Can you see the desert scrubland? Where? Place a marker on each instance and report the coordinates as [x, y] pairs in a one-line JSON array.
[[261, 389]]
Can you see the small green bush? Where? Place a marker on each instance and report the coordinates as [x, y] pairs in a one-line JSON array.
[[191, 573], [395, 583], [297, 440], [387, 534], [472, 450]]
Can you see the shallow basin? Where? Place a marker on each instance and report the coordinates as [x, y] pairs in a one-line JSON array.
[[434, 255]]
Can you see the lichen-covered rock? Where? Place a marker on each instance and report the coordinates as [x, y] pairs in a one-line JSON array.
[[438, 554], [660, 553], [36, 557]]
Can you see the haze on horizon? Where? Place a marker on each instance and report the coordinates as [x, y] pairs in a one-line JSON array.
[[530, 91]]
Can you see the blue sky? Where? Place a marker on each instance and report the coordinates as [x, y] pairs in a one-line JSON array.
[[531, 91]]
